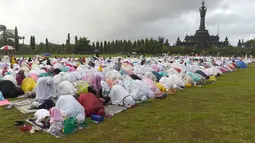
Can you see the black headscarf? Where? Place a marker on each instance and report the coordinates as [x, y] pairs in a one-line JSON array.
[[9, 90], [135, 77], [48, 62], [56, 71]]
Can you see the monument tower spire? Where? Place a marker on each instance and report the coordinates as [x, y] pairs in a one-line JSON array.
[[203, 11], [202, 39]]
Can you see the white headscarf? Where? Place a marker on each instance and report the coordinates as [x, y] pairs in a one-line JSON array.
[[16, 68], [138, 90], [40, 115], [44, 89], [151, 76], [77, 75], [105, 88], [10, 78], [70, 107], [57, 66], [119, 96], [58, 79], [66, 88]]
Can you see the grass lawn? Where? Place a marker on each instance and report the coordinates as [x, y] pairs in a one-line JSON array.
[[221, 112]]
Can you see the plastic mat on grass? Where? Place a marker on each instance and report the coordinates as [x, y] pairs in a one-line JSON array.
[[24, 106], [113, 109], [57, 135], [4, 102]]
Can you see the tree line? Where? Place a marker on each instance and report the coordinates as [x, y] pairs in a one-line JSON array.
[[83, 45]]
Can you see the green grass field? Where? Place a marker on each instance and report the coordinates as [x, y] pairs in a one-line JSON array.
[[221, 112]]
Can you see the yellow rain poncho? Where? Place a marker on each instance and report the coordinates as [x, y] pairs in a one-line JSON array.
[[100, 68], [81, 86], [28, 84], [161, 87], [13, 61], [212, 78], [188, 85]]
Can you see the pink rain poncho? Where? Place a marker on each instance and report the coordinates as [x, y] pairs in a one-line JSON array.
[[151, 84], [155, 67], [56, 120], [88, 78], [55, 115], [97, 81]]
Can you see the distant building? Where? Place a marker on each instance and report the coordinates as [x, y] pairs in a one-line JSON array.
[[202, 39]]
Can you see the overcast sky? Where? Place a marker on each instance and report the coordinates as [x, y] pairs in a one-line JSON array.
[[126, 19]]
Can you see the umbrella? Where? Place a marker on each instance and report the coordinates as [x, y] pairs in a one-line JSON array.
[[96, 51], [46, 54], [7, 48]]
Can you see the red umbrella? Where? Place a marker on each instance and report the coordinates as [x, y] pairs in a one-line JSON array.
[[7, 48]]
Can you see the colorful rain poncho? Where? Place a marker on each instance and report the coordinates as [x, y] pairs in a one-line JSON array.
[[81, 87]]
